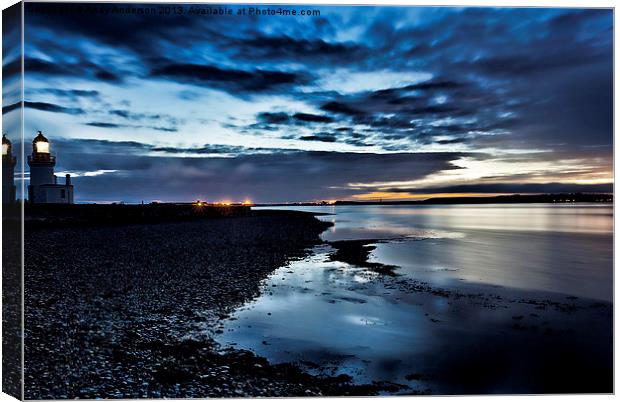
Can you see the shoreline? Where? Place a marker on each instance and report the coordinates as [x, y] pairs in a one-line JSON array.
[[518, 341], [108, 309], [551, 198], [122, 305]]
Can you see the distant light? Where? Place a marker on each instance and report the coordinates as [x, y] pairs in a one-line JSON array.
[[42, 147], [5, 149], [247, 202]]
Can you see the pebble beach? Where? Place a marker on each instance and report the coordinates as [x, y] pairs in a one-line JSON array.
[[110, 310]]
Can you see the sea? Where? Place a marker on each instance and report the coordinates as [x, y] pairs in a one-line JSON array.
[[465, 276]]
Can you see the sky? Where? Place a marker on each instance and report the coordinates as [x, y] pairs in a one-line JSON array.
[[357, 103]]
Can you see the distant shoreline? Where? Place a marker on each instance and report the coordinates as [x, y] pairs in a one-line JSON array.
[[203, 208], [500, 199]]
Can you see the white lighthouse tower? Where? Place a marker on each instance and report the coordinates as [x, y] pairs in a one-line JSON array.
[[8, 172], [43, 188]]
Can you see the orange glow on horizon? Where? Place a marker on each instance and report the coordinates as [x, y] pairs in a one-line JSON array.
[[406, 196]]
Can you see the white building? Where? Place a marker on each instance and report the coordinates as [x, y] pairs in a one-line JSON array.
[[8, 172], [44, 188]]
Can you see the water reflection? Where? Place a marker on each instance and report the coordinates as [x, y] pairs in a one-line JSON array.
[[480, 263], [564, 248], [331, 319], [331, 314], [366, 220]]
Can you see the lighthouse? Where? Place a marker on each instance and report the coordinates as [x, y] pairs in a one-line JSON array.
[[44, 188], [8, 171]]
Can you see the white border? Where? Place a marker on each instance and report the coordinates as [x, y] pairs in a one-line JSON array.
[[481, 3]]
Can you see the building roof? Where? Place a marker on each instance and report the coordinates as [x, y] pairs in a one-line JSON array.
[[5, 140], [40, 137]]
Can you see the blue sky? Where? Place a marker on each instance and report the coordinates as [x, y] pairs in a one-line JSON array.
[[357, 103]]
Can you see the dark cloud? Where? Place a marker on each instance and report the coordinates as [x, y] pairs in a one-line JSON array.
[[435, 110], [38, 66], [338, 107], [452, 141], [129, 118], [230, 79], [121, 125], [84, 69], [11, 107], [12, 69], [411, 112], [502, 79], [166, 129], [107, 76], [131, 31], [72, 94], [481, 65], [103, 125], [12, 29], [322, 137], [273, 118], [206, 149], [268, 177], [218, 149], [434, 84], [314, 51], [135, 116], [121, 113], [76, 146], [44, 106], [312, 118], [357, 142], [264, 119]]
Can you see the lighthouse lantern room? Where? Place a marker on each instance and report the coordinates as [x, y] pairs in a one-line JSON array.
[[44, 188]]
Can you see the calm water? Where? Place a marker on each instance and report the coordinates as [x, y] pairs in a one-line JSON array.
[[558, 248], [337, 318]]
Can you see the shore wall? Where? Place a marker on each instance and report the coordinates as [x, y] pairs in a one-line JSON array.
[[42, 215]]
